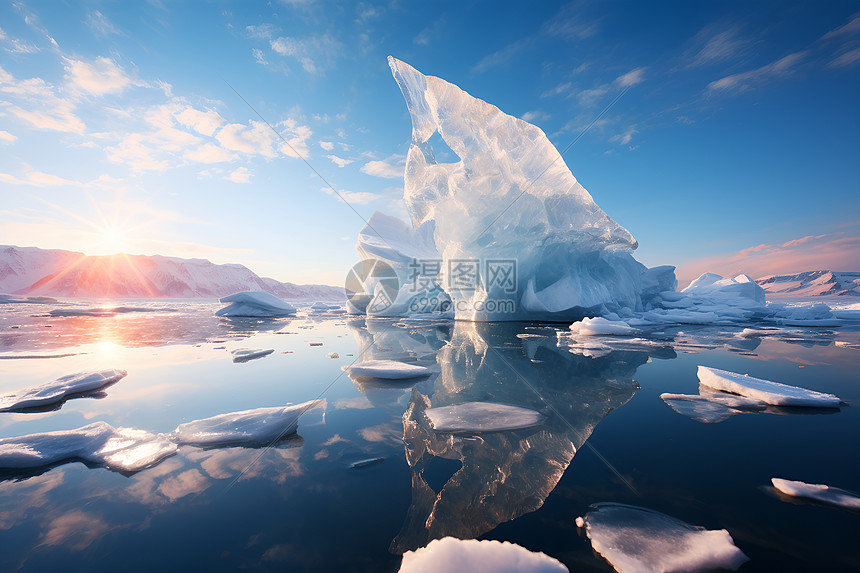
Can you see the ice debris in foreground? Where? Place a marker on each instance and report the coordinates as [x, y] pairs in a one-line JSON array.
[[52, 392], [123, 449], [452, 555], [387, 369], [245, 427], [246, 354], [818, 492], [711, 407], [255, 304], [636, 539], [600, 325], [771, 392], [481, 417]]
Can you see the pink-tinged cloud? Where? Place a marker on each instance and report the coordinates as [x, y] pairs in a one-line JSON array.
[[835, 252]]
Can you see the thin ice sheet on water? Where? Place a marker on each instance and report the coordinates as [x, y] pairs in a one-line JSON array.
[[255, 426], [387, 369], [482, 417], [52, 392], [452, 555], [255, 304], [711, 407], [773, 393], [122, 449], [246, 354], [635, 539], [818, 492]]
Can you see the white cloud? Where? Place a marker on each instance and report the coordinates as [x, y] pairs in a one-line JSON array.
[[625, 137], [134, 152], [631, 78], [203, 122], [352, 197], [101, 77], [745, 80], [16, 46], [259, 56], [6, 137], [209, 153], [533, 116], [389, 168], [240, 175], [339, 161], [39, 104], [846, 59], [327, 145]]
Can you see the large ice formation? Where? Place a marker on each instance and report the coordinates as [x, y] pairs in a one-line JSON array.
[[452, 555], [635, 539], [61, 388], [772, 393], [255, 304], [817, 492]]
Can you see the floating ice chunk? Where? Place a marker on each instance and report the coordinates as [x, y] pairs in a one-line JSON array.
[[255, 303], [635, 539], [246, 354], [771, 392], [245, 427], [123, 449], [323, 306], [818, 492], [711, 408], [59, 389], [452, 555], [387, 369], [714, 286], [481, 417], [599, 325]]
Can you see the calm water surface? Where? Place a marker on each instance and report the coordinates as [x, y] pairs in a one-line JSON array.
[[302, 504]]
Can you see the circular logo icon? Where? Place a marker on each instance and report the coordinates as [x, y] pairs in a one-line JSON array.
[[371, 286]]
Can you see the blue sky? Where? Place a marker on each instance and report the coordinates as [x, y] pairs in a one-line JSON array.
[[735, 147]]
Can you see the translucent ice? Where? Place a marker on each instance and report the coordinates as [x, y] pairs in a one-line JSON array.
[[818, 492], [481, 417], [711, 407], [123, 449], [246, 427], [387, 369], [255, 303], [246, 354], [771, 392], [452, 555], [635, 539], [59, 389], [600, 325]]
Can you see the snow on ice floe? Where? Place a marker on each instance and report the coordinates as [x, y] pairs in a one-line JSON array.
[[601, 326], [452, 555], [255, 304], [772, 393], [636, 539], [122, 449], [246, 354], [481, 417], [63, 387], [711, 407], [817, 492], [387, 369], [245, 427]]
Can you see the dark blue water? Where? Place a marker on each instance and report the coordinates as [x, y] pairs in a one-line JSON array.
[[301, 505]]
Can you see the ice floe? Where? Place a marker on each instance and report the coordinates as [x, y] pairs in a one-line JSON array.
[[636, 539], [599, 325], [452, 555], [255, 304], [63, 387], [246, 354], [711, 407], [122, 449], [387, 369], [817, 492], [772, 393], [481, 417], [245, 427]]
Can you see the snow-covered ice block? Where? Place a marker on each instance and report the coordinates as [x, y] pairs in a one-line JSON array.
[[255, 304], [387, 369], [53, 392], [773, 393], [818, 492], [245, 427], [246, 354], [714, 286], [123, 449], [635, 539], [452, 555], [711, 408], [599, 325], [482, 417]]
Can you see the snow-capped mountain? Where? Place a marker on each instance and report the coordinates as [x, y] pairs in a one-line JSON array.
[[812, 283], [57, 273]]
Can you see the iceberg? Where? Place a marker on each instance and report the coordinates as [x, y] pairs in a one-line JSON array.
[[246, 354], [713, 286], [256, 426], [600, 326], [122, 449], [255, 304], [817, 492], [636, 539], [772, 393], [474, 417], [387, 370], [452, 555], [60, 389]]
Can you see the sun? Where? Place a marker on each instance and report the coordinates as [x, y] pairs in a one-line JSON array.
[[112, 240]]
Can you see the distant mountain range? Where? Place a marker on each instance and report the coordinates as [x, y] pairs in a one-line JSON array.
[[56, 273], [812, 283]]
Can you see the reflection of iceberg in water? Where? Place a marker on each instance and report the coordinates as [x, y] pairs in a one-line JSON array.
[[503, 475]]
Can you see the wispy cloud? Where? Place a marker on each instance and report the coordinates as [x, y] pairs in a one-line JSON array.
[[98, 23], [390, 168], [745, 80], [103, 76], [626, 136], [846, 59], [339, 161], [352, 197], [16, 46], [240, 175], [715, 44], [315, 54], [631, 78], [6, 137], [533, 116], [502, 56]]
